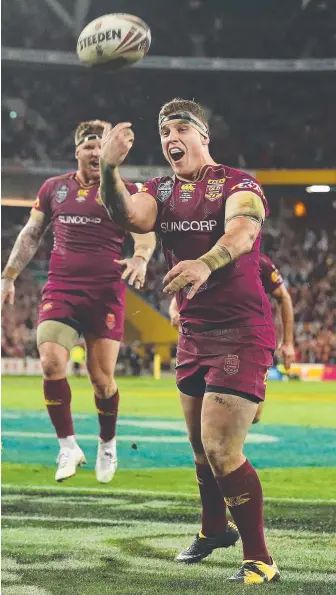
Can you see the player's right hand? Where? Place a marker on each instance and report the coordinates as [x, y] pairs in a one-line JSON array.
[[116, 143], [174, 314], [7, 291]]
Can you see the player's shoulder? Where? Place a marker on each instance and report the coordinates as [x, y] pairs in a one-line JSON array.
[[131, 186], [50, 183], [266, 262]]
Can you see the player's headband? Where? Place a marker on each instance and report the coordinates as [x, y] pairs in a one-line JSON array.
[[186, 117], [89, 137]]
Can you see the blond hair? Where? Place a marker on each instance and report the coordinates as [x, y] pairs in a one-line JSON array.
[[87, 128], [184, 105]]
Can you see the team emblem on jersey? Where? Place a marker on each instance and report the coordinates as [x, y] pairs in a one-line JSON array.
[[214, 189], [47, 306], [61, 194], [98, 198], [275, 276], [187, 191], [81, 195], [110, 320], [231, 364], [165, 190]]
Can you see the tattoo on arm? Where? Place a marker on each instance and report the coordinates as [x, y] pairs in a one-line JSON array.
[[25, 246], [114, 193]]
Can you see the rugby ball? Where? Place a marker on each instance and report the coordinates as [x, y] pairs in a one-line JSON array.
[[117, 39]]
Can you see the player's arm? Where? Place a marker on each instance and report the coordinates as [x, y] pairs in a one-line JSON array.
[[136, 266], [23, 251], [284, 300], [137, 212], [244, 216]]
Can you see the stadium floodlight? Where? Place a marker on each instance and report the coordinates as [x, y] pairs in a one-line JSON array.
[[318, 188]]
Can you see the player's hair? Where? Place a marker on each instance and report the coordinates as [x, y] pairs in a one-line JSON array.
[[87, 128], [184, 105]]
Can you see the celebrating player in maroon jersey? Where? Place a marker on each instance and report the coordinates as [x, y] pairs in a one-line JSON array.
[[209, 218], [84, 294], [274, 286]]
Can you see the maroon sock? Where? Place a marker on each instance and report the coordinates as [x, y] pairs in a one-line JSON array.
[[214, 519], [57, 397], [243, 495], [107, 410]]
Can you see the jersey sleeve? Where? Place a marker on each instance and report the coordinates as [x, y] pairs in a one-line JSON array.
[[151, 187], [271, 277], [241, 182], [43, 199], [132, 188]]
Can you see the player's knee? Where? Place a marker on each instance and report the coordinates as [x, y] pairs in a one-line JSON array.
[[104, 386], [53, 366]]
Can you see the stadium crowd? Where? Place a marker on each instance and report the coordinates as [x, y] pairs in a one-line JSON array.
[[286, 29], [306, 258], [289, 122]]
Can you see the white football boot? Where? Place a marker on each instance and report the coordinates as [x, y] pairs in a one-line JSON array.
[[107, 462], [68, 460]]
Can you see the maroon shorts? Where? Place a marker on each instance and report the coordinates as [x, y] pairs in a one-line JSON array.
[[233, 361], [96, 310]]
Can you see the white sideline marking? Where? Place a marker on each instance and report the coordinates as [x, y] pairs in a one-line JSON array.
[[119, 492], [251, 438]]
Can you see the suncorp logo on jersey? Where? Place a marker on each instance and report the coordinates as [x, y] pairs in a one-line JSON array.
[[169, 226], [78, 219]]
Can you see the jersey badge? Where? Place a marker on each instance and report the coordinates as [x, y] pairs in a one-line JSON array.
[[231, 364], [47, 306], [186, 191], [110, 321], [165, 190], [214, 189], [81, 195], [61, 194]]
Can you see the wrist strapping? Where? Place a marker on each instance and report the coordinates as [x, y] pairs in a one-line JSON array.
[[142, 253], [218, 257], [10, 273]]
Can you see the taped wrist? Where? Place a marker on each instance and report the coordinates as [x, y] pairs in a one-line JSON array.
[[10, 273], [217, 257], [142, 253]]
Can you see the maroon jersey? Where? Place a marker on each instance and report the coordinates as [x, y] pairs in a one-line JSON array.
[[86, 241], [190, 222], [270, 276]]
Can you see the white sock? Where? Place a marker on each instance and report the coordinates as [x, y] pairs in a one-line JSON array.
[[68, 442], [106, 445]]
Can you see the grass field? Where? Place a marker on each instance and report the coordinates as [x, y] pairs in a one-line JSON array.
[[80, 538]]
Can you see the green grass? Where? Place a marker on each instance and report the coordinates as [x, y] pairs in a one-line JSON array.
[[82, 538], [290, 403], [98, 545], [303, 483]]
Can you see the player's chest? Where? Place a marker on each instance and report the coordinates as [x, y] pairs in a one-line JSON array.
[[77, 201]]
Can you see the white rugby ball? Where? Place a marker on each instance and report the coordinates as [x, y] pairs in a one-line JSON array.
[[117, 39]]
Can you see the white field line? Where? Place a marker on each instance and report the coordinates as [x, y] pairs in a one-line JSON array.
[[159, 494], [251, 438]]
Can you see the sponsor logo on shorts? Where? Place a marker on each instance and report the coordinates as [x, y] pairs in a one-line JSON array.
[[248, 184], [170, 226], [47, 306], [165, 190], [61, 194], [231, 364], [110, 321], [237, 500], [81, 195], [266, 378], [78, 219]]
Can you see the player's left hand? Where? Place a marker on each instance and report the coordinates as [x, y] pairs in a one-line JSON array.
[[135, 271], [187, 272], [287, 352]]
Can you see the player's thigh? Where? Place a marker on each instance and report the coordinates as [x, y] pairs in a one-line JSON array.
[[225, 422], [55, 340], [101, 356], [192, 410]]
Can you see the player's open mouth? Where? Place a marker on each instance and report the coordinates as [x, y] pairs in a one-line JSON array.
[[94, 164], [176, 154]]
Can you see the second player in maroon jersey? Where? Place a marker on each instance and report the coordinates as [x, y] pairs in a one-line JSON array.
[[209, 219], [84, 295]]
